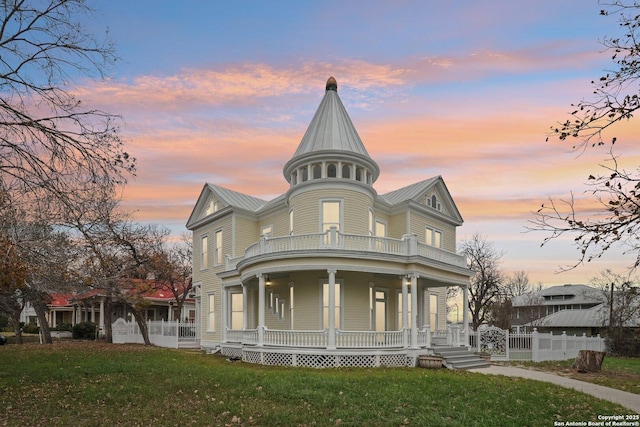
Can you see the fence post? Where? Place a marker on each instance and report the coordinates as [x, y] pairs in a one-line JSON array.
[[601, 344], [508, 344], [534, 346]]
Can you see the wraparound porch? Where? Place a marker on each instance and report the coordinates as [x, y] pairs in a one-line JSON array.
[[352, 348]]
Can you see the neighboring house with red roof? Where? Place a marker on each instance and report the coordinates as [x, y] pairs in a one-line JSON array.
[[89, 307]]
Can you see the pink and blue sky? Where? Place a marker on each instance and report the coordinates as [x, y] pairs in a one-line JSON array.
[[222, 92]]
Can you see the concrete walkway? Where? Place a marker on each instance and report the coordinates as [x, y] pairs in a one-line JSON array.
[[630, 401]]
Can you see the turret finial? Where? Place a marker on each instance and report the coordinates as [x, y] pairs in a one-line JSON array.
[[332, 84]]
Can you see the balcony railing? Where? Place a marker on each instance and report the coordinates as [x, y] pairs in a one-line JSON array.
[[333, 239]]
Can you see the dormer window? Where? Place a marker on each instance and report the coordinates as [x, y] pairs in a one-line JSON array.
[[433, 202], [212, 207]]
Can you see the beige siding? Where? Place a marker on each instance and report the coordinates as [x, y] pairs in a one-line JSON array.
[[247, 233], [419, 222], [397, 226], [280, 222], [210, 282], [306, 295], [306, 217], [355, 307], [356, 212]]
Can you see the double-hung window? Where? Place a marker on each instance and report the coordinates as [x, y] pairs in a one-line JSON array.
[[325, 305], [330, 216], [218, 247], [433, 237], [204, 252], [211, 319]]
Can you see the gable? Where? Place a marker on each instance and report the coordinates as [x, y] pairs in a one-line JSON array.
[[431, 194], [214, 199]]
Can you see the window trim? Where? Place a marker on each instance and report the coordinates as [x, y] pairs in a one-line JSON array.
[[211, 311], [218, 258], [231, 310], [340, 293], [340, 213], [399, 308], [434, 231], [204, 252]]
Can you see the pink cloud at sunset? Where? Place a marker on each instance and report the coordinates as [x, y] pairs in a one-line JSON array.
[[468, 92]]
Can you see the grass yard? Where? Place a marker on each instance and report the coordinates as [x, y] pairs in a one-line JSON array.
[[617, 372], [86, 383]]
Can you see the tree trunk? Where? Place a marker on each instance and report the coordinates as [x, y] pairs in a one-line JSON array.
[[142, 324], [588, 361], [42, 320], [108, 320], [16, 327]]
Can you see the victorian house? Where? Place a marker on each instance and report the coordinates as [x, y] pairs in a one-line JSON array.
[[331, 273]]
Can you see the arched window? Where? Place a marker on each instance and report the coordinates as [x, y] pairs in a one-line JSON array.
[[358, 174], [317, 172], [346, 171], [294, 178], [331, 170], [305, 174]]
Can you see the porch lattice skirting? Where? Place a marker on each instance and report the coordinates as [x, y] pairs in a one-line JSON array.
[[320, 358]]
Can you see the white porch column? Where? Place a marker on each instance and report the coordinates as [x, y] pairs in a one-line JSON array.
[[93, 314], [331, 339], [170, 313], [405, 302], [414, 311], [465, 314], [261, 305], [102, 314], [244, 306], [223, 318]]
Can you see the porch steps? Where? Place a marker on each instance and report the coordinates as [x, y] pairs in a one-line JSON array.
[[459, 358]]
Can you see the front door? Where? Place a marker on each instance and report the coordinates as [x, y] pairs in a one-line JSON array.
[[380, 310]]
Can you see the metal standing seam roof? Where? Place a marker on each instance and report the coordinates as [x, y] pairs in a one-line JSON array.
[[592, 318], [409, 192], [238, 200], [582, 294], [331, 129]]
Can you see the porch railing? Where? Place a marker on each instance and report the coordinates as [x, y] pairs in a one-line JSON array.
[[333, 239], [320, 338], [161, 333], [371, 339], [285, 338]]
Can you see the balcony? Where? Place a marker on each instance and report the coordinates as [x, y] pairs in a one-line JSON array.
[[333, 240]]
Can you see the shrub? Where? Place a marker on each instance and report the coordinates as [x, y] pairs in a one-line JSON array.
[[84, 331], [31, 328], [63, 327]]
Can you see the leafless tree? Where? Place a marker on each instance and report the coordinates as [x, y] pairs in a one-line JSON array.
[[622, 300], [487, 284], [171, 266], [51, 144], [614, 99]]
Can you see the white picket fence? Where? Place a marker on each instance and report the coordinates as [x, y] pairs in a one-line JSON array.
[[162, 333], [535, 346]]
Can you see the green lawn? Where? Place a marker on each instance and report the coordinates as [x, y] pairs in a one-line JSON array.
[[82, 383]]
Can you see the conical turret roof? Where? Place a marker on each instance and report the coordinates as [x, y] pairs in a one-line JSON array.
[[331, 132]]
